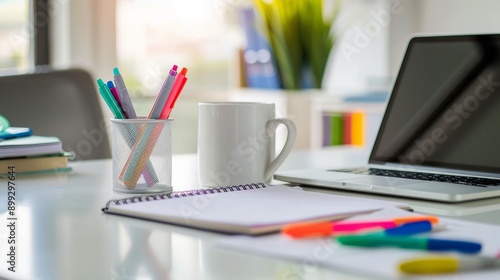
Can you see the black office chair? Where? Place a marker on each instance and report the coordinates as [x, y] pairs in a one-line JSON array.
[[62, 103]]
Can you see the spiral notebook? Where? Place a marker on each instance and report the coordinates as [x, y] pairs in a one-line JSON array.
[[245, 209]]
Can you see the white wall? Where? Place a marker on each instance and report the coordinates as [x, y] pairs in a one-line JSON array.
[[376, 55], [83, 34], [359, 55], [443, 17], [460, 16]]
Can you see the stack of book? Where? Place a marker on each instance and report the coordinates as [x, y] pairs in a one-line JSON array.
[[33, 154], [354, 128]]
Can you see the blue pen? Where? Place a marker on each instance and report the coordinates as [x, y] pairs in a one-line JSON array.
[[161, 99], [409, 242], [124, 96], [407, 229]]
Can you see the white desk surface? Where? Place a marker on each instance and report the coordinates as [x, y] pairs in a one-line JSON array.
[[63, 234]]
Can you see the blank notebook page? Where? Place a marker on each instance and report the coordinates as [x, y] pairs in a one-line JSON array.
[[250, 211]]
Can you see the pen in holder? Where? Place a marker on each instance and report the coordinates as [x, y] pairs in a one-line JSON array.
[[139, 145], [130, 134]]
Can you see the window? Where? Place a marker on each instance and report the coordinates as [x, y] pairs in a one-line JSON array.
[[15, 36], [154, 35]]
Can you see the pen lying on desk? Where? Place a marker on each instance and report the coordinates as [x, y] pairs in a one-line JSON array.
[[321, 229], [408, 229], [447, 264], [409, 242]]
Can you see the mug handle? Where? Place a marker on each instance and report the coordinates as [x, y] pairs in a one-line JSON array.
[[271, 125]]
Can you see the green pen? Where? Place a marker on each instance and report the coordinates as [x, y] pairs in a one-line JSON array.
[[409, 242], [110, 100]]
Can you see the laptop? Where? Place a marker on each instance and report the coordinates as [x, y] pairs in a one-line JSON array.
[[439, 138]]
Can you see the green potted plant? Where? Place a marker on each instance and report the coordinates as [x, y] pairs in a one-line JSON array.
[[300, 35]]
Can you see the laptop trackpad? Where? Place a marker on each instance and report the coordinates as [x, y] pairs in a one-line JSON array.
[[379, 181]]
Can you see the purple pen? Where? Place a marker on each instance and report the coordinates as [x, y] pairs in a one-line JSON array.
[[162, 97]]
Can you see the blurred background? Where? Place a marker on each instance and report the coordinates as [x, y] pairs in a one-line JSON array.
[[144, 38]]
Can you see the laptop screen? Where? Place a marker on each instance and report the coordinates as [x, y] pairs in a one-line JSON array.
[[444, 110]]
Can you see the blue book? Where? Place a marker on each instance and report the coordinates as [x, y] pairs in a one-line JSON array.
[[260, 65], [369, 97], [15, 132]]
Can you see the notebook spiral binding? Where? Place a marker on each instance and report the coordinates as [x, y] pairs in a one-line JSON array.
[[178, 194]]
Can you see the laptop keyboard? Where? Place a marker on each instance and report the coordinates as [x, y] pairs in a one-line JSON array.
[[462, 180]]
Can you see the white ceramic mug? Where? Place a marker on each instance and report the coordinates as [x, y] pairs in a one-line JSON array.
[[236, 143]]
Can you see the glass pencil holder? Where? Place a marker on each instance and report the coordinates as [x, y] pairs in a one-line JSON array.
[[142, 155]]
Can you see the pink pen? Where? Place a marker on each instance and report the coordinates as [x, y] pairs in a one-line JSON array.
[[164, 94], [179, 83], [305, 230], [114, 91]]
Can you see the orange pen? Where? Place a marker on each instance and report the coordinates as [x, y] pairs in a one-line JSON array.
[[322, 229]]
